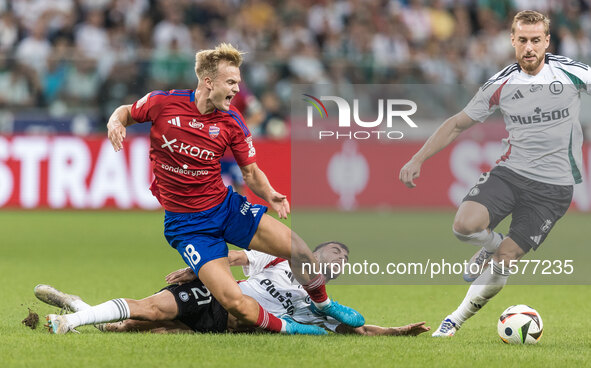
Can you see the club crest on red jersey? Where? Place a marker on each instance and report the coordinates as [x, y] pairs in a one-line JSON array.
[[214, 131]]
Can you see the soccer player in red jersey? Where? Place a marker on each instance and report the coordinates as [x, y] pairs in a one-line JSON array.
[[189, 134]]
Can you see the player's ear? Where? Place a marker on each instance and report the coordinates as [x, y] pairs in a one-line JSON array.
[[208, 83], [547, 40], [512, 40]]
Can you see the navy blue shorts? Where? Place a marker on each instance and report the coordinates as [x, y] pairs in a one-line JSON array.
[[201, 237]]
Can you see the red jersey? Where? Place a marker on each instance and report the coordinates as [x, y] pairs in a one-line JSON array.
[[186, 148]]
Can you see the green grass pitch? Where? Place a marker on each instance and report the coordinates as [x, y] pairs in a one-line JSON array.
[[104, 255]]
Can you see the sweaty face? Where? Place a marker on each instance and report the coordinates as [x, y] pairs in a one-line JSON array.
[[225, 86], [530, 43], [332, 254]]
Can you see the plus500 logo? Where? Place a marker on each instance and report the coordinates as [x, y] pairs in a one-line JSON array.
[[344, 117], [541, 117]]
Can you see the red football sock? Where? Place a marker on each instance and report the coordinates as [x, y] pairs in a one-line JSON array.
[[267, 321], [316, 289]]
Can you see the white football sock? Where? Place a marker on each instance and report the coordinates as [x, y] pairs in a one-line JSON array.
[[79, 305], [487, 285], [489, 240], [113, 310], [322, 304]]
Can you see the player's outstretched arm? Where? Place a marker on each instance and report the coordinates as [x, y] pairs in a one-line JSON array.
[[443, 136], [257, 181], [116, 127], [412, 329]]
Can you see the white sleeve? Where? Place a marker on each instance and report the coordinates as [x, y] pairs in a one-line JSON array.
[[487, 99], [579, 73], [256, 262], [586, 78], [480, 107]]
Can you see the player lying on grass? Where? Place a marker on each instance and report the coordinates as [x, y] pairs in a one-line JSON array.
[[188, 306]]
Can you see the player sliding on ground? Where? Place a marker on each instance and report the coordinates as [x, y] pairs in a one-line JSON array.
[[191, 130], [188, 306], [539, 97]]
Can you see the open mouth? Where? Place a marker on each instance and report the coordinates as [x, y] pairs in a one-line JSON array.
[[229, 98]]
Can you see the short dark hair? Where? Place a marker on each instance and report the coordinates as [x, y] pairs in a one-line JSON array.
[[322, 245]]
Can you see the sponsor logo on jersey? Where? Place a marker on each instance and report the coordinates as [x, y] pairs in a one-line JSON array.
[[474, 192], [184, 296], [517, 95], [290, 276], [536, 87], [184, 170], [251, 150], [536, 239], [254, 211], [546, 226], [214, 131], [556, 87], [195, 124], [285, 300], [244, 208], [174, 145], [176, 121], [540, 116]]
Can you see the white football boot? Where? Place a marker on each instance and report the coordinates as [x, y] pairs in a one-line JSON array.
[[58, 324], [447, 328], [52, 296]]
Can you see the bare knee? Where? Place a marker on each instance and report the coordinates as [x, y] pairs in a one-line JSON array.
[[471, 218], [463, 226]]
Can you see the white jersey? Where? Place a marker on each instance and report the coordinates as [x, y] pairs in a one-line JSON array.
[[271, 283], [541, 114]]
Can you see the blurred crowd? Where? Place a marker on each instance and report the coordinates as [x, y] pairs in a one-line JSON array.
[[67, 56]]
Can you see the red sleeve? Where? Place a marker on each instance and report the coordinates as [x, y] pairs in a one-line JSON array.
[[241, 141], [147, 107]]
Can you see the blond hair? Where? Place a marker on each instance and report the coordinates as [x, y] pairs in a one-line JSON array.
[[531, 17], [207, 61]]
